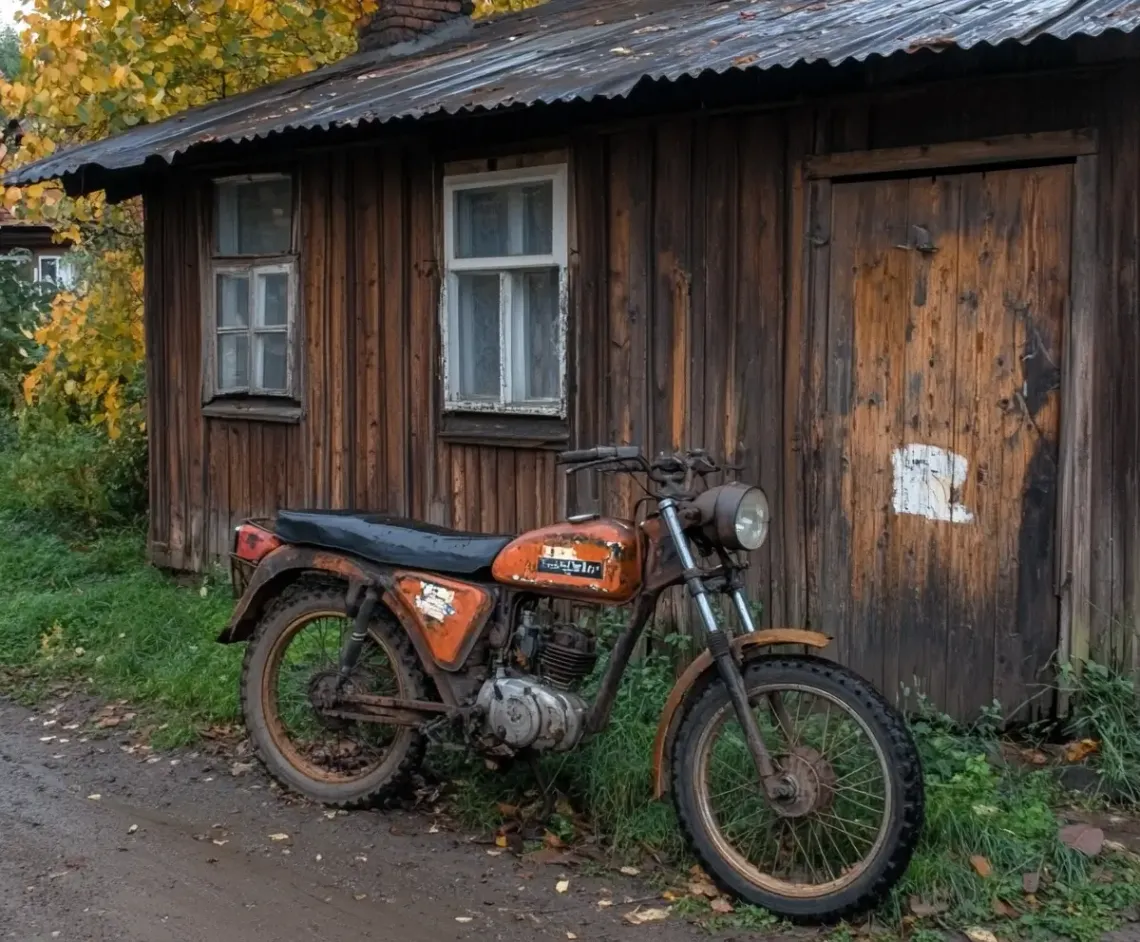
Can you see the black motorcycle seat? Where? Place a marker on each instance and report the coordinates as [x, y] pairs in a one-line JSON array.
[[392, 541]]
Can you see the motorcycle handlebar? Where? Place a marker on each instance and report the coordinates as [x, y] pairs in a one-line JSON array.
[[600, 453]]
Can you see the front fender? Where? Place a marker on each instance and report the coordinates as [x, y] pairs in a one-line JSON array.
[[698, 674]]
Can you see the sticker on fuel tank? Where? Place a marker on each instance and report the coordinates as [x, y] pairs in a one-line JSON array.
[[564, 561]]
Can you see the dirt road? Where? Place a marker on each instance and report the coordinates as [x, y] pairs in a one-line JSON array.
[[183, 851]]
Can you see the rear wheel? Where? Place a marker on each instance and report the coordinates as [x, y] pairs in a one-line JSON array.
[[844, 834], [290, 672]]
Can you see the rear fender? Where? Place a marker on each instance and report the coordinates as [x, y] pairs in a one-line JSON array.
[[287, 564], [699, 674]]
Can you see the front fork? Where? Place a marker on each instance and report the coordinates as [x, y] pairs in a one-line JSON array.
[[776, 785]]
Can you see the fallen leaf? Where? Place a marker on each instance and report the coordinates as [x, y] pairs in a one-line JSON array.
[[220, 843], [434, 829], [570, 935], [1083, 838], [244, 768], [975, 934], [1081, 749], [701, 888], [494, 853], [1031, 882], [562, 886], [132, 829], [550, 839], [94, 797], [1116, 847], [721, 905], [359, 896], [641, 916], [621, 51], [605, 903], [630, 871], [1003, 910], [741, 61], [508, 811], [279, 837], [462, 918], [981, 866], [924, 910]]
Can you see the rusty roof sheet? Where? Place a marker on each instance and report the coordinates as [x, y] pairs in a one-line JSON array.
[[578, 50]]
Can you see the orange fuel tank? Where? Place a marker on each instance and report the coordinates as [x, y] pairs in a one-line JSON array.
[[592, 559]]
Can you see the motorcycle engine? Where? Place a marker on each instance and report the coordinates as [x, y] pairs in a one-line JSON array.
[[534, 707]]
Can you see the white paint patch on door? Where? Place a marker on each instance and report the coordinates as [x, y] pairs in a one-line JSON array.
[[927, 480]]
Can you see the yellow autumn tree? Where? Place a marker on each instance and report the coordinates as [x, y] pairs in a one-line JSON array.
[[91, 68]]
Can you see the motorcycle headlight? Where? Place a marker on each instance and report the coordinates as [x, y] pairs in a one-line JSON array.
[[751, 523], [735, 516]]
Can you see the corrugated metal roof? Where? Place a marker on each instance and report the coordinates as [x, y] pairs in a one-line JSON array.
[[578, 50]]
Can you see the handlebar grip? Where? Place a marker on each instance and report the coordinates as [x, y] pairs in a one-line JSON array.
[[600, 453]]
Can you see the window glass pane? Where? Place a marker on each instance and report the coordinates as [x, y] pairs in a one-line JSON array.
[[49, 269], [538, 218], [272, 350], [273, 299], [494, 221], [233, 300], [254, 218], [534, 302], [476, 345], [233, 361]]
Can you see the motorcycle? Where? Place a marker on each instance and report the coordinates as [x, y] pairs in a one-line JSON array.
[[795, 782]]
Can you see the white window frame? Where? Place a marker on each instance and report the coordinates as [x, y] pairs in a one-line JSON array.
[[251, 266], [58, 281], [504, 265]]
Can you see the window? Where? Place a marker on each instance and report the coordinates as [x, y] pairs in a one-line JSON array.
[[48, 269], [252, 297], [504, 300], [58, 269]]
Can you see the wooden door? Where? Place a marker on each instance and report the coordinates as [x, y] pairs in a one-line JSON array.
[[938, 475]]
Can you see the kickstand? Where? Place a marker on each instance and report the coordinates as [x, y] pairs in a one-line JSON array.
[[545, 787]]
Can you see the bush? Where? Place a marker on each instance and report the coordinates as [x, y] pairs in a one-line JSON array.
[[71, 472]]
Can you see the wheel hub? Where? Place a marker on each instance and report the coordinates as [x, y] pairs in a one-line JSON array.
[[325, 691], [810, 782]]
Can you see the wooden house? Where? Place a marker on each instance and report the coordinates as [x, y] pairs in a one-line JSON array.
[[883, 254]]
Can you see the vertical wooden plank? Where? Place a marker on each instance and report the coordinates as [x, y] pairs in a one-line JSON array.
[[797, 326], [1074, 532], [869, 290], [824, 549], [316, 194], [368, 442], [928, 361], [703, 239], [393, 329], [505, 495], [422, 316], [471, 494], [154, 319], [488, 489], [526, 490], [622, 318], [338, 358], [589, 327], [758, 348]]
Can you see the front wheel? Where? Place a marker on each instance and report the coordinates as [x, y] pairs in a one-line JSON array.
[[834, 846]]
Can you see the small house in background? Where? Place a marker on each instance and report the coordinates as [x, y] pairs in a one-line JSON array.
[[882, 255], [32, 248]]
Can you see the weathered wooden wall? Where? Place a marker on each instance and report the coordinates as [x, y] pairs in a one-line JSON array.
[[687, 327]]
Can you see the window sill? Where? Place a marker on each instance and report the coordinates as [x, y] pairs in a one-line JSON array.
[[504, 430], [255, 410]]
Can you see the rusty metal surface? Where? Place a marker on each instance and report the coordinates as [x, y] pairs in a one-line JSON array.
[[702, 663], [450, 614], [578, 50], [594, 561]]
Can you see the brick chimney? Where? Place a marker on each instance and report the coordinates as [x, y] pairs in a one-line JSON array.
[[398, 21]]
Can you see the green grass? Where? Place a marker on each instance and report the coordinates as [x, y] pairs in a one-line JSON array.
[[88, 611], [92, 611]]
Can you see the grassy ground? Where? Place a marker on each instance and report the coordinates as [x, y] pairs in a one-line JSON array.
[[89, 611]]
